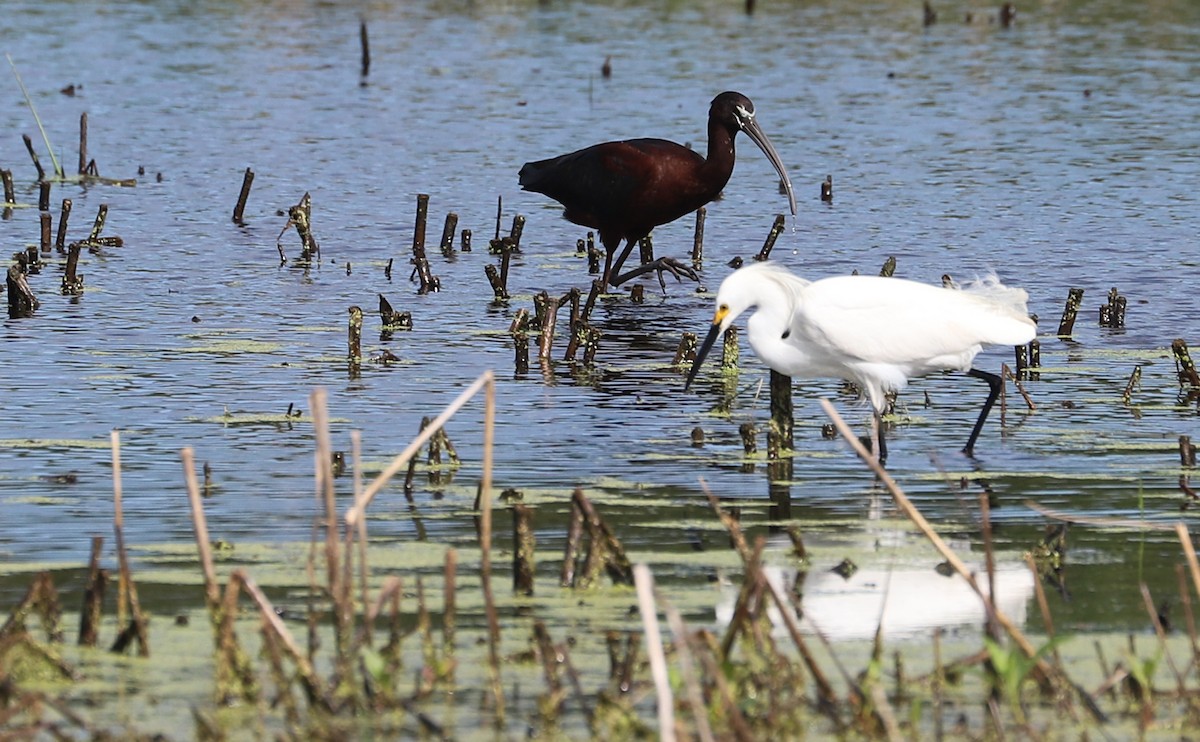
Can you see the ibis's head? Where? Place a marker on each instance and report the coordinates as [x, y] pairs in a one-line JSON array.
[[736, 112]]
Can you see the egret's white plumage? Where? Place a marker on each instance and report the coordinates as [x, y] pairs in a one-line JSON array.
[[877, 332]]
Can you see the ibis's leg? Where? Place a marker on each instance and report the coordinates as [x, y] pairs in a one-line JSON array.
[[994, 383], [612, 268], [614, 277], [880, 445]]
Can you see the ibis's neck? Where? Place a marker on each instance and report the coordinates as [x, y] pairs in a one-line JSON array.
[[718, 166]]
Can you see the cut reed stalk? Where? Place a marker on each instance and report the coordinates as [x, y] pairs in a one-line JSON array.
[[698, 239], [644, 583], [127, 589], [687, 667]]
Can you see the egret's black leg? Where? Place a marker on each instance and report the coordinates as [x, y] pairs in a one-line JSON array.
[[994, 383], [880, 444]]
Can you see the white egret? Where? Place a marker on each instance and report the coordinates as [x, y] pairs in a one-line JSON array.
[[876, 332]]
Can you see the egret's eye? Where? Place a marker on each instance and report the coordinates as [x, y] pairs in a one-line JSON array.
[[786, 333], [723, 308]]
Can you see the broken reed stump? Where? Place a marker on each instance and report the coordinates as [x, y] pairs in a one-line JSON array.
[[637, 294], [772, 236], [729, 348], [827, 190], [33, 156], [421, 269], [749, 434], [1028, 359], [518, 227], [354, 336], [44, 196], [21, 301], [1185, 370], [889, 267], [60, 241], [519, 331], [1112, 314], [493, 277], [1187, 452], [698, 239], [300, 217], [1067, 324], [239, 209], [523, 549], [593, 254], [779, 434], [72, 283], [465, 241], [83, 148], [686, 352], [447, 243], [45, 222], [391, 319], [547, 312], [1135, 380], [604, 552], [646, 249], [10, 197], [364, 42]]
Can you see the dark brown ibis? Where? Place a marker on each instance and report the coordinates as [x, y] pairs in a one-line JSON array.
[[625, 189]]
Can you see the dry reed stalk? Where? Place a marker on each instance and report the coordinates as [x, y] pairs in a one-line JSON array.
[[486, 379], [883, 710], [918, 519], [644, 583], [552, 706], [1043, 605], [1185, 598], [485, 540], [1189, 551], [1073, 519], [826, 696], [127, 590], [449, 582], [365, 588], [1006, 372], [1161, 634], [93, 597], [338, 592], [715, 671], [735, 531], [308, 675], [687, 667]]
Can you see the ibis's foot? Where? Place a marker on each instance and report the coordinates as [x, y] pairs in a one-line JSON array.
[[662, 265]]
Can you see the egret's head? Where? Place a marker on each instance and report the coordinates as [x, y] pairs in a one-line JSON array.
[[733, 298]]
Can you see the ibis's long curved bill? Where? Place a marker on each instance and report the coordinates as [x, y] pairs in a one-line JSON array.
[[713, 332], [753, 130]]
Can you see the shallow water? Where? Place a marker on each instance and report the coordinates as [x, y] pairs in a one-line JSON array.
[[1058, 153]]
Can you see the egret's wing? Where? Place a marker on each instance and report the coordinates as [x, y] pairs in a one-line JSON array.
[[894, 321]]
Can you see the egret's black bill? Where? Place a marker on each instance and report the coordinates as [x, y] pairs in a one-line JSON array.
[[713, 332]]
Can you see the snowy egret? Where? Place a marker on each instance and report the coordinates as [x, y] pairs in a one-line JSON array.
[[876, 332], [625, 189]]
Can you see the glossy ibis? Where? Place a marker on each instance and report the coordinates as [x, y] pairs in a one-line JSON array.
[[876, 332], [625, 189]]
